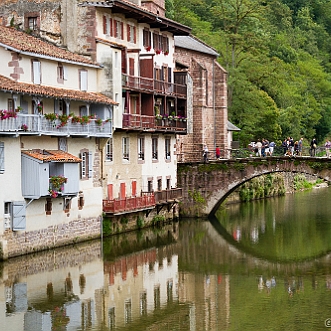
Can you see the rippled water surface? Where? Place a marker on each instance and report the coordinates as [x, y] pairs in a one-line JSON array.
[[256, 266]]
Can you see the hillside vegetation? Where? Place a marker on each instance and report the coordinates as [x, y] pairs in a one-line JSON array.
[[277, 54]]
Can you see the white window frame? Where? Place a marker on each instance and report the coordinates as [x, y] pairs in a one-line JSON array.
[[141, 148], [155, 153], [83, 79], [131, 33], [126, 148], [109, 150], [2, 157], [36, 72], [167, 148]]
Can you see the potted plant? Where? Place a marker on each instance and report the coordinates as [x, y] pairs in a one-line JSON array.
[[148, 48], [56, 185], [18, 109], [24, 127], [158, 51], [166, 52], [85, 119], [50, 117], [99, 121]]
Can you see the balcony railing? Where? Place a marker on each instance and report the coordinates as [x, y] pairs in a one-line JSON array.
[[153, 85], [38, 124], [145, 201], [168, 195], [134, 121]]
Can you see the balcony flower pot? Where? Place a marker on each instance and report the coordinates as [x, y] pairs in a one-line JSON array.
[[158, 51]]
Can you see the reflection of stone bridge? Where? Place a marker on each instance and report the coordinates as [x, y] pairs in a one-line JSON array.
[[206, 186]]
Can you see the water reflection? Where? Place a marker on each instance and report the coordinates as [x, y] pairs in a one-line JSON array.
[[183, 277], [292, 228]]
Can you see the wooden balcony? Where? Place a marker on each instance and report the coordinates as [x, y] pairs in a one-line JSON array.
[[127, 205], [30, 124], [166, 196], [150, 123], [145, 84]]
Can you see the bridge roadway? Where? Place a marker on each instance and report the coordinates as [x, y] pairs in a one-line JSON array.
[[206, 186]]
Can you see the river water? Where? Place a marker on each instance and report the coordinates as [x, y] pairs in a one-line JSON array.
[[262, 265]]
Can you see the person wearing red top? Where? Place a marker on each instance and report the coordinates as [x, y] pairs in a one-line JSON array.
[[218, 153]]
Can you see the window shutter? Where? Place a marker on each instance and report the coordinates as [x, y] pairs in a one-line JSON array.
[[18, 214], [36, 72], [83, 80], [90, 165], [111, 27], [128, 32], [2, 157], [80, 166], [122, 31], [65, 73], [134, 35], [104, 25]]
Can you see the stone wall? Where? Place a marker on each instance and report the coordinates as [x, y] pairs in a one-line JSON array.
[[20, 243], [209, 106]]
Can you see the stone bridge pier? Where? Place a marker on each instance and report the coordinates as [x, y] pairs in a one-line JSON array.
[[206, 186]]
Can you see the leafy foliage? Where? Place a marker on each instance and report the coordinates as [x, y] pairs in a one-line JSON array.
[[277, 54]]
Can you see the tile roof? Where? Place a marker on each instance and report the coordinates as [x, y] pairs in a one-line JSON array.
[[190, 42], [23, 42], [9, 85], [52, 156]]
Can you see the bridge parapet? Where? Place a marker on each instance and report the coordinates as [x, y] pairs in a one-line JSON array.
[[206, 186]]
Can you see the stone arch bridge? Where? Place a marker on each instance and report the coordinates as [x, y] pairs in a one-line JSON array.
[[206, 186]]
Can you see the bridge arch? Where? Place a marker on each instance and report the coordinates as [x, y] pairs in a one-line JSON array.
[[206, 186]]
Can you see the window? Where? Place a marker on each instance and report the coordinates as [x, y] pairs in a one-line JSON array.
[[125, 148], [36, 72], [154, 148], [63, 145], [159, 184], [141, 148], [116, 60], [10, 104], [167, 149], [109, 150], [32, 23], [143, 303], [119, 30], [83, 80], [150, 186], [131, 33], [164, 43], [147, 38], [168, 184], [86, 164], [59, 106], [2, 157], [127, 312], [61, 73]]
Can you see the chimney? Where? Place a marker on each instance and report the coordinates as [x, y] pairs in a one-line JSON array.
[[155, 6]]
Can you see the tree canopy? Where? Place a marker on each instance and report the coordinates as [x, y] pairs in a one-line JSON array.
[[277, 54]]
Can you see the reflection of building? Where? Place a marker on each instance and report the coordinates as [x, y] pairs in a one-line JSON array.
[[138, 284], [52, 289]]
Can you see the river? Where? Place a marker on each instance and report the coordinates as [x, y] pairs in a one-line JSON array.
[[261, 265]]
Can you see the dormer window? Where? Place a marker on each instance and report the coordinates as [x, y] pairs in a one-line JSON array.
[[32, 23]]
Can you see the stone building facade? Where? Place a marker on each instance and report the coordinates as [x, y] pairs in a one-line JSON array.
[[209, 100]]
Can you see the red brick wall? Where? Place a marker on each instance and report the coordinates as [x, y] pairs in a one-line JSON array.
[[209, 106], [155, 6]]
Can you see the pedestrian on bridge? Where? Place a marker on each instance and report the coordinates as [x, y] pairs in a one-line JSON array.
[[205, 153], [313, 146], [327, 146]]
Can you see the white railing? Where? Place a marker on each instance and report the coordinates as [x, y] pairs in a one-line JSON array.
[[38, 124]]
